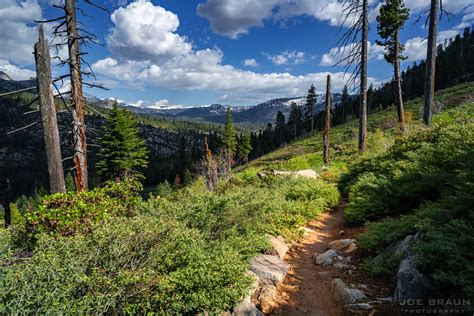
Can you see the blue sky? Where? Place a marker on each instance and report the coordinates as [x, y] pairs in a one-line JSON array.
[[166, 53]]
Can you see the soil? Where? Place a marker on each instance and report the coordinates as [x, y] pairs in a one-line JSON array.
[[307, 289]]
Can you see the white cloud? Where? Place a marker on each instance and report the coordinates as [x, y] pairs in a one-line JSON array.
[[191, 69], [415, 48], [15, 72], [287, 57], [337, 54], [17, 30], [164, 104], [250, 62], [232, 18], [146, 32]]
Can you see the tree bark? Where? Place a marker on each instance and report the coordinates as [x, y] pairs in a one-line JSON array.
[[328, 123], [363, 78], [48, 115], [79, 131], [431, 63], [398, 87]]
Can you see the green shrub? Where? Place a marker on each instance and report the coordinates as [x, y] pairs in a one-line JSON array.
[[383, 265], [68, 213], [128, 265]]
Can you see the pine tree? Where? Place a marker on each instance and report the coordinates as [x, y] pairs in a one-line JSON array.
[[122, 151], [310, 101], [245, 148], [280, 128], [230, 137], [346, 104], [295, 121], [393, 15]]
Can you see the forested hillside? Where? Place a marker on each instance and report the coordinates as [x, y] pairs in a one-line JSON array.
[[352, 200]]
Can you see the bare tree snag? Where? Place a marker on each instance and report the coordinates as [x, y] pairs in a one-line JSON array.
[[48, 115], [328, 123], [79, 130], [363, 77], [398, 88], [431, 63]]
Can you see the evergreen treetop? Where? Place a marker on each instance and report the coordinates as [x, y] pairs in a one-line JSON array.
[[230, 135], [392, 17], [122, 152]]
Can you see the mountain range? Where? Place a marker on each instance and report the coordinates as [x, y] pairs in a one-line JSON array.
[[262, 113]]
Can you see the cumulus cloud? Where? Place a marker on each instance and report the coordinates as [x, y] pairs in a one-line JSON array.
[[250, 62], [15, 72], [146, 32], [192, 69], [415, 48], [287, 57], [337, 54], [232, 18], [17, 30]]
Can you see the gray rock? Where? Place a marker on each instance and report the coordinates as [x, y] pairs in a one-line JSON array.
[[325, 259], [267, 298], [341, 244], [352, 247], [279, 247], [402, 247], [411, 284], [308, 173], [345, 295], [359, 306], [340, 265], [246, 308], [270, 269]]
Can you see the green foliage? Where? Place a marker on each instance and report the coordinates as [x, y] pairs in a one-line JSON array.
[[127, 265], [393, 15], [70, 213], [310, 101], [422, 167], [122, 152], [425, 184], [382, 265], [245, 147], [230, 135]]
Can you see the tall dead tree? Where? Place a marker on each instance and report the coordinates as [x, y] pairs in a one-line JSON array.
[[431, 63], [327, 125], [363, 77], [48, 115], [70, 34], [79, 130], [354, 48]]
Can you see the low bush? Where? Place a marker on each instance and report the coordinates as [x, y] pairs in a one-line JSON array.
[[126, 266], [424, 184], [69, 213]]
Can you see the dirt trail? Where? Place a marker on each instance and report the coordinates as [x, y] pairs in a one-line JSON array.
[[307, 289]]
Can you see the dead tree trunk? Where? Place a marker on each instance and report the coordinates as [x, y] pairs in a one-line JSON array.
[[79, 130], [328, 123], [431, 63], [363, 77], [398, 88], [48, 115]]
